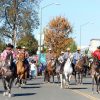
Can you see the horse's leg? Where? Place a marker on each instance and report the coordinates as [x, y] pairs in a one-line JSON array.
[[61, 79], [66, 81], [53, 76], [81, 77], [48, 76], [93, 84], [10, 86], [78, 78], [5, 87], [69, 78], [25, 78], [97, 84], [58, 77], [75, 78]]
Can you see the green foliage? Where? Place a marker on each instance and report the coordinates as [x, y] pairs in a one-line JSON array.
[[29, 42], [19, 17], [2, 45], [73, 46], [86, 51]]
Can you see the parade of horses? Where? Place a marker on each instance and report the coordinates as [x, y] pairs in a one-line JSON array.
[[15, 68], [49, 50]]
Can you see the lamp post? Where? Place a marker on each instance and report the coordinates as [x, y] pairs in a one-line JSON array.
[[81, 30], [41, 20]]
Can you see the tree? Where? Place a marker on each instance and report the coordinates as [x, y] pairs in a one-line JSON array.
[[29, 42], [57, 34], [18, 17], [73, 46], [2, 45]]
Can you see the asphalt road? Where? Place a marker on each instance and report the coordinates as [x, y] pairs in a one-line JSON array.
[[36, 89]]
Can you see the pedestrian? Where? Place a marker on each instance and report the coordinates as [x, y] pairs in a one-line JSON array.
[[33, 69], [42, 61]]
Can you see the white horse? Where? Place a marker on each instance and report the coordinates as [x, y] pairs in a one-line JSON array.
[[66, 75]]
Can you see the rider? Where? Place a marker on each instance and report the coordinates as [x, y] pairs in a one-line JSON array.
[[9, 49], [96, 55], [77, 55], [27, 65], [60, 58], [65, 56], [49, 55]]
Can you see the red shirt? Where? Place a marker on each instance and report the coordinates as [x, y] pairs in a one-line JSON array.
[[96, 54]]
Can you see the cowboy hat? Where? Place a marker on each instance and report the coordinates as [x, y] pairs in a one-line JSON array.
[[9, 45], [23, 47], [78, 48], [68, 49], [49, 49], [62, 52]]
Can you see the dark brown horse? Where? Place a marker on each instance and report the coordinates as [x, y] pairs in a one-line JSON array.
[[7, 72], [95, 74], [21, 69], [49, 70], [79, 68]]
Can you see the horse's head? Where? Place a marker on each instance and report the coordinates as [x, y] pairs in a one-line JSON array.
[[9, 59], [21, 56], [53, 62], [85, 59], [68, 61]]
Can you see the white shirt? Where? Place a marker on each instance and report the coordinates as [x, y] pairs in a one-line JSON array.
[[33, 67]]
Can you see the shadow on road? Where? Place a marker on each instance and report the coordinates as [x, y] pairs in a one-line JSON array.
[[78, 88], [34, 83], [28, 87], [1, 91], [24, 94], [87, 83]]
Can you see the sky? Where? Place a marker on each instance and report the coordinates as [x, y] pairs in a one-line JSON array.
[[84, 14]]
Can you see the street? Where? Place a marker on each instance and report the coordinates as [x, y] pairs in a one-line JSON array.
[[36, 89]]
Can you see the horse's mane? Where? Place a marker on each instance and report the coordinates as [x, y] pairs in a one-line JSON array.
[[9, 56]]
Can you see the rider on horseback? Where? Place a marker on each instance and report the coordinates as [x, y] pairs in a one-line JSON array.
[[27, 65], [49, 55], [77, 56], [96, 56], [66, 55], [8, 50]]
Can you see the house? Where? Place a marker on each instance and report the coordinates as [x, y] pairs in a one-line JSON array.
[[94, 43]]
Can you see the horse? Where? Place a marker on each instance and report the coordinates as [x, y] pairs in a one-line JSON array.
[[95, 74], [21, 69], [7, 69], [79, 68], [58, 67], [49, 70], [66, 74]]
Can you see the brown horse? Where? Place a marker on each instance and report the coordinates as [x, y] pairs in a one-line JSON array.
[[21, 69], [95, 74], [79, 68], [49, 70]]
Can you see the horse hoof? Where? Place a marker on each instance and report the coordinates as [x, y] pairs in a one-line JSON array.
[[9, 95], [4, 94]]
